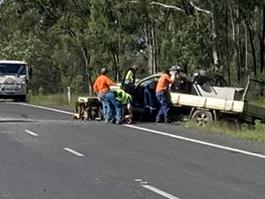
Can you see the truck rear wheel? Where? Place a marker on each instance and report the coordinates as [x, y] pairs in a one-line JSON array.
[[202, 117]]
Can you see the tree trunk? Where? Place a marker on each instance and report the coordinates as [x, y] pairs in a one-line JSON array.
[[234, 38], [151, 47], [238, 58], [227, 45], [214, 35], [154, 62], [246, 49], [116, 65], [253, 52], [87, 72], [251, 41], [262, 40], [241, 42]]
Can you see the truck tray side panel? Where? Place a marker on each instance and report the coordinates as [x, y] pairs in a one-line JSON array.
[[207, 102]]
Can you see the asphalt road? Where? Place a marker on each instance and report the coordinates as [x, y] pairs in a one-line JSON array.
[[46, 155]]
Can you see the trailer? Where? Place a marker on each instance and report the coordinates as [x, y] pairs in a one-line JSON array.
[[87, 108]]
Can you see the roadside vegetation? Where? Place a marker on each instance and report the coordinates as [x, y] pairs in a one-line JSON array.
[[67, 42], [253, 133], [53, 100]]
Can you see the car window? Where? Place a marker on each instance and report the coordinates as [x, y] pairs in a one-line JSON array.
[[148, 81]]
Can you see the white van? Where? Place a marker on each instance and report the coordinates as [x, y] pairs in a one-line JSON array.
[[14, 79]]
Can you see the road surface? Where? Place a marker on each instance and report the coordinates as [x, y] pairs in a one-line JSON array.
[[44, 154]]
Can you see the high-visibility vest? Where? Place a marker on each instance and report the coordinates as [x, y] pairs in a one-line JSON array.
[[129, 76], [122, 96]]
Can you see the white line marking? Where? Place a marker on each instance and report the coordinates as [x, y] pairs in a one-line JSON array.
[[31, 133], [160, 192], [258, 155], [45, 108], [6, 132], [138, 180], [74, 152]]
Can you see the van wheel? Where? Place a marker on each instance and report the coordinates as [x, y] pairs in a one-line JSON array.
[[202, 117]]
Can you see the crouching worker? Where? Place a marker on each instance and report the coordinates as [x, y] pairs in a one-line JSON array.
[[120, 104]]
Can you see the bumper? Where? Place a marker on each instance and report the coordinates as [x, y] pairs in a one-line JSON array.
[[11, 96], [14, 91]]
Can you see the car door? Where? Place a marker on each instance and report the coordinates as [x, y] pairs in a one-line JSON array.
[[139, 96]]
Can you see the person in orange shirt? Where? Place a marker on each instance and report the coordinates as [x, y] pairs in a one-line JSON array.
[[162, 95], [101, 87]]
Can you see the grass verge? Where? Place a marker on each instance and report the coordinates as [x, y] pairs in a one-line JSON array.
[[53, 100], [242, 132]]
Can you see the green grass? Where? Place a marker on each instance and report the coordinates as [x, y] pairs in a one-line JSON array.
[[224, 128], [53, 100]]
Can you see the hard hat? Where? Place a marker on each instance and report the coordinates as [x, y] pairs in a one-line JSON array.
[[176, 68], [104, 70]]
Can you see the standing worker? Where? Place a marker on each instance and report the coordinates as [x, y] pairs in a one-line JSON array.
[[162, 95], [120, 104], [129, 79], [101, 87]]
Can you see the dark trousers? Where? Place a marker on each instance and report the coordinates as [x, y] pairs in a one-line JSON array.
[[163, 99]]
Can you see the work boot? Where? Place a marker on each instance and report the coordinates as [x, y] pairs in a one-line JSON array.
[[119, 122]]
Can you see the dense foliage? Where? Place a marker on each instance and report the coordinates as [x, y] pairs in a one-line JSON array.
[[67, 41]]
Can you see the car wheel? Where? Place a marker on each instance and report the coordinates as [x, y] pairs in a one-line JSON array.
[[202, 117]]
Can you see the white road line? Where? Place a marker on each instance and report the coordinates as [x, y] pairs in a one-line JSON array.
[[44, 108], [74, 152], [31, 133], [5, 132], [257, 155], [159, 192]]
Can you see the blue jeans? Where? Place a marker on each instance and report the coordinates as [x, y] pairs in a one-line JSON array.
[[115, 110], [104, 103], [162, 98]]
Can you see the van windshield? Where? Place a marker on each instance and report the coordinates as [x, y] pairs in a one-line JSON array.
[[12, 69]]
